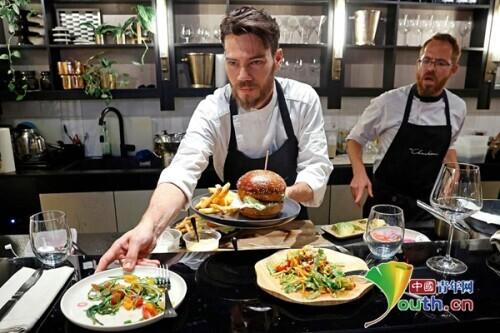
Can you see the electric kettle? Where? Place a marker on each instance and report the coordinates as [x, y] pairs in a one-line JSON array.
[[29, 145]]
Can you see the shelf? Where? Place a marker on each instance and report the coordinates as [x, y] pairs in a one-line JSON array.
[[280, 2], [417, 48], [193, 92], [359, 92], [374, 2], [100, 46], [469, 92], [427, 5], [24, 47], [369, 47], [80, 94], [199, 45], [101, 1], [303, 46]]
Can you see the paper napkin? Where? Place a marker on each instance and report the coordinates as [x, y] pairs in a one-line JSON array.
[[36, 300], [487, 217]]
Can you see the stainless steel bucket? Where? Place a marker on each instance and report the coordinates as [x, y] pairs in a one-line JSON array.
[[365, 26], [201, 69]]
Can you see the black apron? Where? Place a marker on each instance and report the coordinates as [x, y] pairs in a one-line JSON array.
[[411, 164], [283, 161]]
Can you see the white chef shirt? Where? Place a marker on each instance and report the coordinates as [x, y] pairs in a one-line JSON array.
[[383, 117], [256, 132]]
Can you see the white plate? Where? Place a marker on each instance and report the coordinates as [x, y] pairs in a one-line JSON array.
[[75, 301], [413, 236]]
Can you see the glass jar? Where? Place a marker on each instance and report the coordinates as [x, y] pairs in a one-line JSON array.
[[45, 83], [30, 79]]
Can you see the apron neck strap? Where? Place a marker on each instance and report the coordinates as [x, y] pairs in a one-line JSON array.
[[409, 103]]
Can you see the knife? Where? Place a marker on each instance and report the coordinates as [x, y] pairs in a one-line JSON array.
[[20, 292], [361, 272]]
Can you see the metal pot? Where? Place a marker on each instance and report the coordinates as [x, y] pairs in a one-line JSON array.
[[166, 144], [29, 145]]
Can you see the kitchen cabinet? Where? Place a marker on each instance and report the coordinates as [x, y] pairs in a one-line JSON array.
[[321, 215], [87, 212], [342, 207], [130, 206]]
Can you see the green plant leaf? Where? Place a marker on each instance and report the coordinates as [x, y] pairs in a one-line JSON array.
[[16, 54], [4, 56], [15, 7], [11, 86], [19, 98]]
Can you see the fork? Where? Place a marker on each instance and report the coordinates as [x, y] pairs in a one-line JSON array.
[[164, 282]]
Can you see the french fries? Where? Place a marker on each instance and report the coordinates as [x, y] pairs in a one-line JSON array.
[[185, 225], [219, 201]]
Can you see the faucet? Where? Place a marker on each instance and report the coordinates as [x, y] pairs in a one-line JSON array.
[[123, 147]]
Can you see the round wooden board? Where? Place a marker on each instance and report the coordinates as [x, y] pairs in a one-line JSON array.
[[272, 285]]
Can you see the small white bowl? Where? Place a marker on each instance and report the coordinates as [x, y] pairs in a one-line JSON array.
[[168, 241], [209, 240]]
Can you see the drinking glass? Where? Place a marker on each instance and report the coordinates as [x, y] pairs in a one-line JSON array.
[[457, 194], [186, 32], [50, 237], [464, 29], [385, 230]]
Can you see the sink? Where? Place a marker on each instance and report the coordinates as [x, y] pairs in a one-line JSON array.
[[111, 163]]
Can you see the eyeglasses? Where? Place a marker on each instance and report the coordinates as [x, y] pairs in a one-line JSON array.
[[439, 63]]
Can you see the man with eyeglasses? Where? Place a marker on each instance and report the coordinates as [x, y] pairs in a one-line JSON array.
[[416, 126]]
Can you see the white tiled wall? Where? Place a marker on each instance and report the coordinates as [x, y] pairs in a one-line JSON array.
[[143, 118]]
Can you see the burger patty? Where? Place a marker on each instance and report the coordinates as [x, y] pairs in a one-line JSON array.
[[263, 197]]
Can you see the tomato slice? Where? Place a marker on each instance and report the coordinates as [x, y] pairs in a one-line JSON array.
[[148, 311]]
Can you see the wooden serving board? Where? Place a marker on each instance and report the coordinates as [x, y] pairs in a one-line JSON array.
[[271, 284]]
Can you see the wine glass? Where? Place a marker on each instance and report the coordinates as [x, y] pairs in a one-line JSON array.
[[50, 237], [186, 32], [404, 26], [457, 194], [464, 28], [384, 232]]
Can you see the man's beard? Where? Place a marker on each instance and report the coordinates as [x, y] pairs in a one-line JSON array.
[[247, 102], [432, 90]]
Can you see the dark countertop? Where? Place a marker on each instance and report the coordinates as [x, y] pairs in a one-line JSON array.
[[238, 305], [19, 196]]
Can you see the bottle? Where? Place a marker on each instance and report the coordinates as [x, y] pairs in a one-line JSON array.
[[45, 83], [104, 140]]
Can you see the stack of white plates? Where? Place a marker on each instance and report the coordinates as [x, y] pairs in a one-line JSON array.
[[61, 35]]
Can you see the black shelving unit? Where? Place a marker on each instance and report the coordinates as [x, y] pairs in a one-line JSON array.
[[385, 48], [72, 94], [54, 53], [386, 45]]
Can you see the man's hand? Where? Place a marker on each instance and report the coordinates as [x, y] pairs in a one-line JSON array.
[[360, 180], [358, 185], [131, 248]]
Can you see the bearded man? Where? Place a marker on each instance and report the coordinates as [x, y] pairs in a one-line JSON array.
[[416, 127], [254, 114]]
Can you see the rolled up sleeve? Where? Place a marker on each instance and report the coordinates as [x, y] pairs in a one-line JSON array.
[[193, 154], [368, 126], [313, 165]]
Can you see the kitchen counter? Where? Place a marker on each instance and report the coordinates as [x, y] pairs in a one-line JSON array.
[[238, 305]]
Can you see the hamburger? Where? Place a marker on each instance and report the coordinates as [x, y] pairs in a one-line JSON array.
[[262, 193]]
